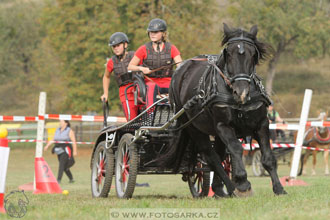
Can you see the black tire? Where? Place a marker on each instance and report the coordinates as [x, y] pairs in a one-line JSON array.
[[199, 182], [127, 161], [257, 167], [103, 165]]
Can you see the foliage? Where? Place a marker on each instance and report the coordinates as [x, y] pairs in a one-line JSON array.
[[79, 30], [62, 48], [300, 27], [27, 63]]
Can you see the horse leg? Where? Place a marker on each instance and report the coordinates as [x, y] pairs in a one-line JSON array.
[[228, 137], [314, 163], [308, 152], [268, 159], [204, 146], [326, 162]]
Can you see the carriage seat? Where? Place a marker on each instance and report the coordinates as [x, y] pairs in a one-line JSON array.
[[140, 90]]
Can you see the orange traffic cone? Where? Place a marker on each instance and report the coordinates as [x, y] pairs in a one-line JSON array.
[[211, 193], [2, 208], [45, 180], [4, 156]]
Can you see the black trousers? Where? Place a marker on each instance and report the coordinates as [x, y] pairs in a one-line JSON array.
[[63, 159]]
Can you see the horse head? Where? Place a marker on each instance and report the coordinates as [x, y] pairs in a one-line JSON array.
[[239, 59]]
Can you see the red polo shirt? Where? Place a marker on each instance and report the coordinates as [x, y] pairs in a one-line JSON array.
[[141, 53], [110, 65]]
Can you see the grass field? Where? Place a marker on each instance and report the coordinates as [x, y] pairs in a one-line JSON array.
[[165, 191]]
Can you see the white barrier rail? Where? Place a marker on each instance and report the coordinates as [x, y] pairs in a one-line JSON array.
[[62, 117], [254, 146], [59, 142], [91, 118]]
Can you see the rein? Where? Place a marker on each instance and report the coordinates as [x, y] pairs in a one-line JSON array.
[[168, 66], [225, 78], [163, 67], [157, 69], [212, 62]]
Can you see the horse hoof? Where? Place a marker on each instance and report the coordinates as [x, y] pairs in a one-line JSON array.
[[220, 196], [241, 194], [283, 192]]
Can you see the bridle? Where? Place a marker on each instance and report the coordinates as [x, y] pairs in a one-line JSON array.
[[241, 76]]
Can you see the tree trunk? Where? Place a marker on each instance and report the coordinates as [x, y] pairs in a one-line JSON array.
[[270, 76], [272, 67], [271, 72]]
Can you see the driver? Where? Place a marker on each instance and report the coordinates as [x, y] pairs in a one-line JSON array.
[[155, 54], [118, 64]]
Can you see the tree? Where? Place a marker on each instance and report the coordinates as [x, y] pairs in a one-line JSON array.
[[79, 31], [299, 27], [27, 63]]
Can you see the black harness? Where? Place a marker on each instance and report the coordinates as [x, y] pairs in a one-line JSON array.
[[209, 93]]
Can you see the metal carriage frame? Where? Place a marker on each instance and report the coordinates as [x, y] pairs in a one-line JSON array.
[[131, 149]]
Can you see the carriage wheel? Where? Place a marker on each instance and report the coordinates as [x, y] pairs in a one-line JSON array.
[[126, 167], [102, 171], [257, 168], [199, 182]]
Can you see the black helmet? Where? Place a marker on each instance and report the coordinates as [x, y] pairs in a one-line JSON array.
[[157, 24], [117, 38]]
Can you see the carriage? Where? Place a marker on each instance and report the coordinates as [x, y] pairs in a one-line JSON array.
[[133, 148]]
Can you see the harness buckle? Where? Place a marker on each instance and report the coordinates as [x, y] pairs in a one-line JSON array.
[[201, 94], [211, 59]]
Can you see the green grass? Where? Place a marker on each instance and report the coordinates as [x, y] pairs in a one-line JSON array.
[[165, 191]]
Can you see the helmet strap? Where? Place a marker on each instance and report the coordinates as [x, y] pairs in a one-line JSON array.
[[158, 45]]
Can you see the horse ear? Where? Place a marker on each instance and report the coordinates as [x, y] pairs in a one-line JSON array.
[[226, 29], [254, 30]]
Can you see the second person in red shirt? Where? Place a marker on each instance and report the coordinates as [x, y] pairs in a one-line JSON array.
[[154, 54]]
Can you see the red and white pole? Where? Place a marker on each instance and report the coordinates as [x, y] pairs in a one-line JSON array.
[[4, 156]]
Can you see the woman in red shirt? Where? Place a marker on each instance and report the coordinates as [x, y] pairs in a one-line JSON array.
[[118, 65], [155, 54]]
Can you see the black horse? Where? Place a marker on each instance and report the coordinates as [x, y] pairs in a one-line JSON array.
[[222, 96]]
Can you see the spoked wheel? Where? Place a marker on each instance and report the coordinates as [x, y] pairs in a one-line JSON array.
[[257, 168], [199, 182], [227, 166], [126, 167], [102, 170]]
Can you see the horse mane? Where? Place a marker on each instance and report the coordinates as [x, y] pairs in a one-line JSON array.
[[266, 51]]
